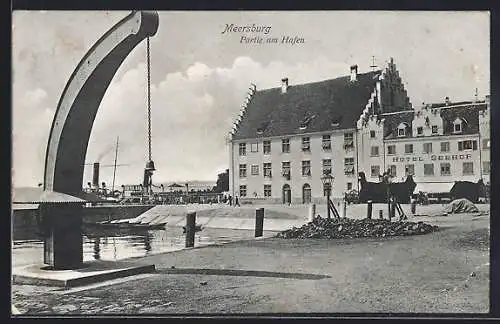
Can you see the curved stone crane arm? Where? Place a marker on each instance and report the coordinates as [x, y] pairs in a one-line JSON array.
[[80, 100]]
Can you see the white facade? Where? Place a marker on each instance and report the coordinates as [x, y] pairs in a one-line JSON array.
[[485, 142], [322, 155], [433, 159]]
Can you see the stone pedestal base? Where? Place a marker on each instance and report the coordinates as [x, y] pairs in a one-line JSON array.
[[62, 228]]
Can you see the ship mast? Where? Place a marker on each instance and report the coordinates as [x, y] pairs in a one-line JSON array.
[[114, 168]]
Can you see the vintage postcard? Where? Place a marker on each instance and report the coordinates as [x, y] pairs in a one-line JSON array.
[[250, 162]]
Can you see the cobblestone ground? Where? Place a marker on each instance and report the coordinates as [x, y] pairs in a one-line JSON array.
[[446, 271]]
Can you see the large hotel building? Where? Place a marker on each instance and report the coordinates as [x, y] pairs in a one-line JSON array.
[[287, 138]]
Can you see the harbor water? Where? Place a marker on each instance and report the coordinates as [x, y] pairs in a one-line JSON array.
[[123, 245]]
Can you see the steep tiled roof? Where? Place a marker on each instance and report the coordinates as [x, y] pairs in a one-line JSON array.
[[392, 121], [330, 104], [467, 111]]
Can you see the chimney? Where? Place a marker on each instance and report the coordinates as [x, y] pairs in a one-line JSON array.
[[284, 85], [447, 101], [354, 73], [95, 176]]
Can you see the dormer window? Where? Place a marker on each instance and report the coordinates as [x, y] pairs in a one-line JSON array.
[[263, 127], [420, 130], [305, 122], [402, 129], [336, 121], [457, 126], [434, 129]]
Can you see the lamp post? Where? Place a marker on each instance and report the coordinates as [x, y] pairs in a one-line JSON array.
[[327, 180]]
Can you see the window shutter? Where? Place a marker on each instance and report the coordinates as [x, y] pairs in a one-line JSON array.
[[460, 146], [474, 145]]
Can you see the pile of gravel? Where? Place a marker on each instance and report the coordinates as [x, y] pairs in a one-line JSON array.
[[323, 228]]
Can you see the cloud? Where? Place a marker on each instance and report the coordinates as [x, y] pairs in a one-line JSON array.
[[192, 113], [31, 123]]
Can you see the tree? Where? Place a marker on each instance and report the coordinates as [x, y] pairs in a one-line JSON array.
[[222, 182]]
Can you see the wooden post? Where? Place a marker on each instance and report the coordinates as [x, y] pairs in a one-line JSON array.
[[369, 211], [393, 210], [344, 208], [380, 214], [413, 206], [312, 212], [259, 222], [328, 204], [389, 204], [190, 229]]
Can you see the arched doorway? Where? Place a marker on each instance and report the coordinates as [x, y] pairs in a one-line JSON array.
[[287, 194], [306, 194]]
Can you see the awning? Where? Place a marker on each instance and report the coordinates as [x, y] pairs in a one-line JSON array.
[[434, 187], [38, 195]]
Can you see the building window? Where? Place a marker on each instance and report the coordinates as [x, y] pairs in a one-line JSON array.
[[457, 126], [267, 147], [391, 149], [408, 148], [306, 168], [306, 144], [434, 129], [348, 140], [401, 131], [349, 186], [445, 169], [428, 169], [327, 142], [254, 147], [306, 194], [243, 170], [375, 171], [392, 171], [285, 145], [420, 130], [486, 143], [255, 169], [468, 168], [374, 151], [410, 169], [267, 190], [243, 191], [467, 145], [285, 169], [327, 166], [349, 166], [372, 134], [427, 147], [267, 170], [486, 167], [243, 149], [445, 146]]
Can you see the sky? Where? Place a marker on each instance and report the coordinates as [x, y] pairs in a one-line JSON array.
[[201, 76]]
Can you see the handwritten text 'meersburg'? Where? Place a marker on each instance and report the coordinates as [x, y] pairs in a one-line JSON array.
[[246, 29]]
